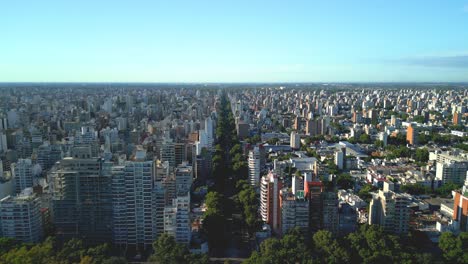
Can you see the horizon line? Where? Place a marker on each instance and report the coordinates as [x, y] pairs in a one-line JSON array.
[[235, 82]]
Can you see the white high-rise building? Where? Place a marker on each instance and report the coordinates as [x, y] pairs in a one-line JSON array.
[[339, 159], [254, 166], [209, 132], [119, 205], [3, 142], [177, 219], [137, 226], [390, 210], [270, 209], [383, 136], [451, 168], [20, 217], [295, 140], [202, 141], [13, 118], [22, 174]]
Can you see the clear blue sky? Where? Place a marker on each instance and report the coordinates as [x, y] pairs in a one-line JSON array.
[[233, 41]]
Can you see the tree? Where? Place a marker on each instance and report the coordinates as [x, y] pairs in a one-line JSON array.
[[364, 193], [419, 119], [167, 250], [236, 149], [214, 202], [415, 189], [329, 249], [365, 139], [332, 167], [422, 155], [345, 181], [50, 252], [446, 189], [454, 248], [290, 249], [6, 244], [249, 202], [370, 244], [273, 141], [213, 220], [379, 143]]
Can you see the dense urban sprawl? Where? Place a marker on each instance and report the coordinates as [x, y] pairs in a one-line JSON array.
[[255, 173]]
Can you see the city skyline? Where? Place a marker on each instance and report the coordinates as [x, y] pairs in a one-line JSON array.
[[241, 42]]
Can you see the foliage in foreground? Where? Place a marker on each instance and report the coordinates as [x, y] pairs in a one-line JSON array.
[[370, 244], [50, 252]]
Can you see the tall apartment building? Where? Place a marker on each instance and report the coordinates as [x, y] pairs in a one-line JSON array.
[[22, 174], [411, 134], [330, 220], [170, 187], [390, 210], [180, 153], [295, 140], [294, 211], [313, 192], [177, 219], [340, 158], [456, 118], [159, 204], [20, 217], [451, 168], [48, 155], [184, 178], [161, 170], [270, 209], [119, 206], [209, 130], [3, 141], [81, 197], [138, 227], [313, 127], [168, 152], [460, 211], [254, 166]]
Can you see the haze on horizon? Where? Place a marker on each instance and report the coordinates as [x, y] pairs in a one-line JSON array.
[[234, 41]]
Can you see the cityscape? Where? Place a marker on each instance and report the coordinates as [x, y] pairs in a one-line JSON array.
[[228, 132], [231, 172]]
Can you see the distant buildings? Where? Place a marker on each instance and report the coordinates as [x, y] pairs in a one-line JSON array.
[[411, 134], [22, 172], [295, 140], [114, 164], [340, 156]]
